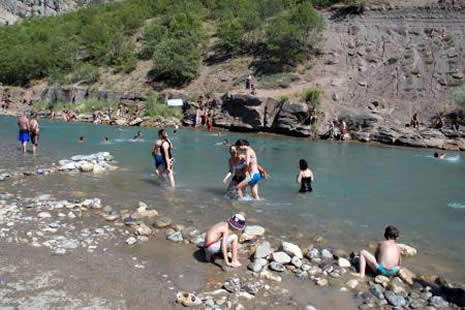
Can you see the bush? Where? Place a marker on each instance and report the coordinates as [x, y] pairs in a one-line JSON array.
[[92, 105], [85, 72], [281, 80], [176, 62], [312, 97]]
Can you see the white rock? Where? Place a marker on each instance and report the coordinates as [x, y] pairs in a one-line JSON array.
[[44, 215], [262, 250], [71, 215], [326, 254], [344, 263], [86, 167], [407, 250], [292, 249], [131, 240], [296, 262], [281, 257], [352, 283]]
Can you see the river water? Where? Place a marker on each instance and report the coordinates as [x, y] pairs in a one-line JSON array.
[[359, 189]]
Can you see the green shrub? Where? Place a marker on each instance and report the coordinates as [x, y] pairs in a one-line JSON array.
[[154, 108], [278, 80], [92, 105], [312, 97], [85, 72]]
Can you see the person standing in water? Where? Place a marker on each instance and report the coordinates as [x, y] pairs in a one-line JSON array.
[[305, 177], [162, 152], [23, 124], [105, 140], [251, 162], [237, 169], [34, 132]]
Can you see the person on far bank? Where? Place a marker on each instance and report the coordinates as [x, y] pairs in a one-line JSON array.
[[305, 177], [23, 124], [387, 258], [220, 238], [34, 132]]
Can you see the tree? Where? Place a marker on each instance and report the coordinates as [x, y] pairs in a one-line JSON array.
[[230, 32]]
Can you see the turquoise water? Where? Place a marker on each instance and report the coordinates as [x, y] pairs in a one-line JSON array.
[[359, 189]]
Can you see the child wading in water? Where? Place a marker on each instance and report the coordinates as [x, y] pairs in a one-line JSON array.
[[220, 239], [305, 177], [386, 260]]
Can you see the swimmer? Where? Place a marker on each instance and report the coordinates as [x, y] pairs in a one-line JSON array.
[[386, 260], [139, 135], [34, 132], [221, 239], [305, 177], [105, 140], [439, 155], [23, 124], [162, 152], [225, 143], [175, 130], [253, 171], [81, 139]]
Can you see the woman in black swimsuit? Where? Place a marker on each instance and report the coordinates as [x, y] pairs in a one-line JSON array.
[[305, 177]]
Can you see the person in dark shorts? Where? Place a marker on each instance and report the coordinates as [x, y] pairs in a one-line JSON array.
[[305, 177]]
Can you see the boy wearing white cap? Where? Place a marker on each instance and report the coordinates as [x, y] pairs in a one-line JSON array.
[[220, 238]]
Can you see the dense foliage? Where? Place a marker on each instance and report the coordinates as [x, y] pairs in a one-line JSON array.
[[71, 47]]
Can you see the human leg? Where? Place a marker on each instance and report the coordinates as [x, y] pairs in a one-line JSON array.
[[255, 192], [366, 258]]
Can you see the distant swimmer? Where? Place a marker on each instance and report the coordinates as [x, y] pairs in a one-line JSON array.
[[220, 238], [34, 132], [81, 139], [175, 130], [439, 155], [305, 177], [225, 143], [253, 171], [23, 124], [105, 140], [139, 135], [386, 260], [162, 152]]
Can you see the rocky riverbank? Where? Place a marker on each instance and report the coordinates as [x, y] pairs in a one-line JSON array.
[[67, 227]]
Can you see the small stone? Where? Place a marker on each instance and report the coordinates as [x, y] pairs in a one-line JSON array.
[[258, 264], [266, 274], [44, 215], [395, 300], [71, 215], [306, 267], [143, 230], [352, 284], [343, 263], [60, 251], [407, 250], [296, 262], [232, 285], [131, 240], [322, 282], [112, 217], [175, 237], [162, 222], [275, 266], [315, 271], [187, 299], [310, 307], [407, 275], [292, 249], [312, 253], [281, 257], [382, 280], [252, 287], [326, 254], [378, 291], [100, 231], [262, 250], [107, 209], [251, 232], [318, 238], [438, 302]]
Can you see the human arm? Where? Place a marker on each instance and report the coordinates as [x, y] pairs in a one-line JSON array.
[[224, 247], [312, 176], [166, 155], [299, 177], [262, 171]]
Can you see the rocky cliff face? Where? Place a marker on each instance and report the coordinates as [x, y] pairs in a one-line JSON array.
[[13, 10]]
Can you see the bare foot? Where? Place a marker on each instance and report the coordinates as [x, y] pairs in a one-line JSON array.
[[358, 275], [235, 264]]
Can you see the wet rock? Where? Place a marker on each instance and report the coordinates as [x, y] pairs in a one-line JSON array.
[[438, 302], [352, 284], [343, 263], [44, 215], [92, 203], [407, 275], [71, 215], [131, 240], [326, 254], [281, 257], [306, 267], [382, 280], [232, 285], [143, 211], [315, 271], [417, 304], [407, 250], [187, 299], [377, 291], [162, 222], [142, 229], [322, 282], [85, 167], [291, 249], [175, 237], [189, 233], [340, 253], [310, 307], [252, 287], [395, 300], [397, 286], [275, 266], [258, 264], [312, 253], [296, 262], [268, 275], [262, 250], [251, 232], [112, 217]]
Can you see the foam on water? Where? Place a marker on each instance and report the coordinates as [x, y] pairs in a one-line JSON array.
[[129, 140], [456, 205]]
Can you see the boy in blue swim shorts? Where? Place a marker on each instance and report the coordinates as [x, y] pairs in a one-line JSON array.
[[387, 258]]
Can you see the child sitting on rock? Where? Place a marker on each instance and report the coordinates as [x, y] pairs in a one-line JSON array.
[[386, 260], [220, 238]]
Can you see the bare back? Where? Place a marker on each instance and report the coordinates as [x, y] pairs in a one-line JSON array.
[[23, 122], [157, 147], [216, 232], [388, 254], [34, 126]]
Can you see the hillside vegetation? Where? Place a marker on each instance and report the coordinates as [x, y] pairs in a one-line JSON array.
[[176, 35]]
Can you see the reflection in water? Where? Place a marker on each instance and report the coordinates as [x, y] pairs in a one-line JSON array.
[[358, 189]]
